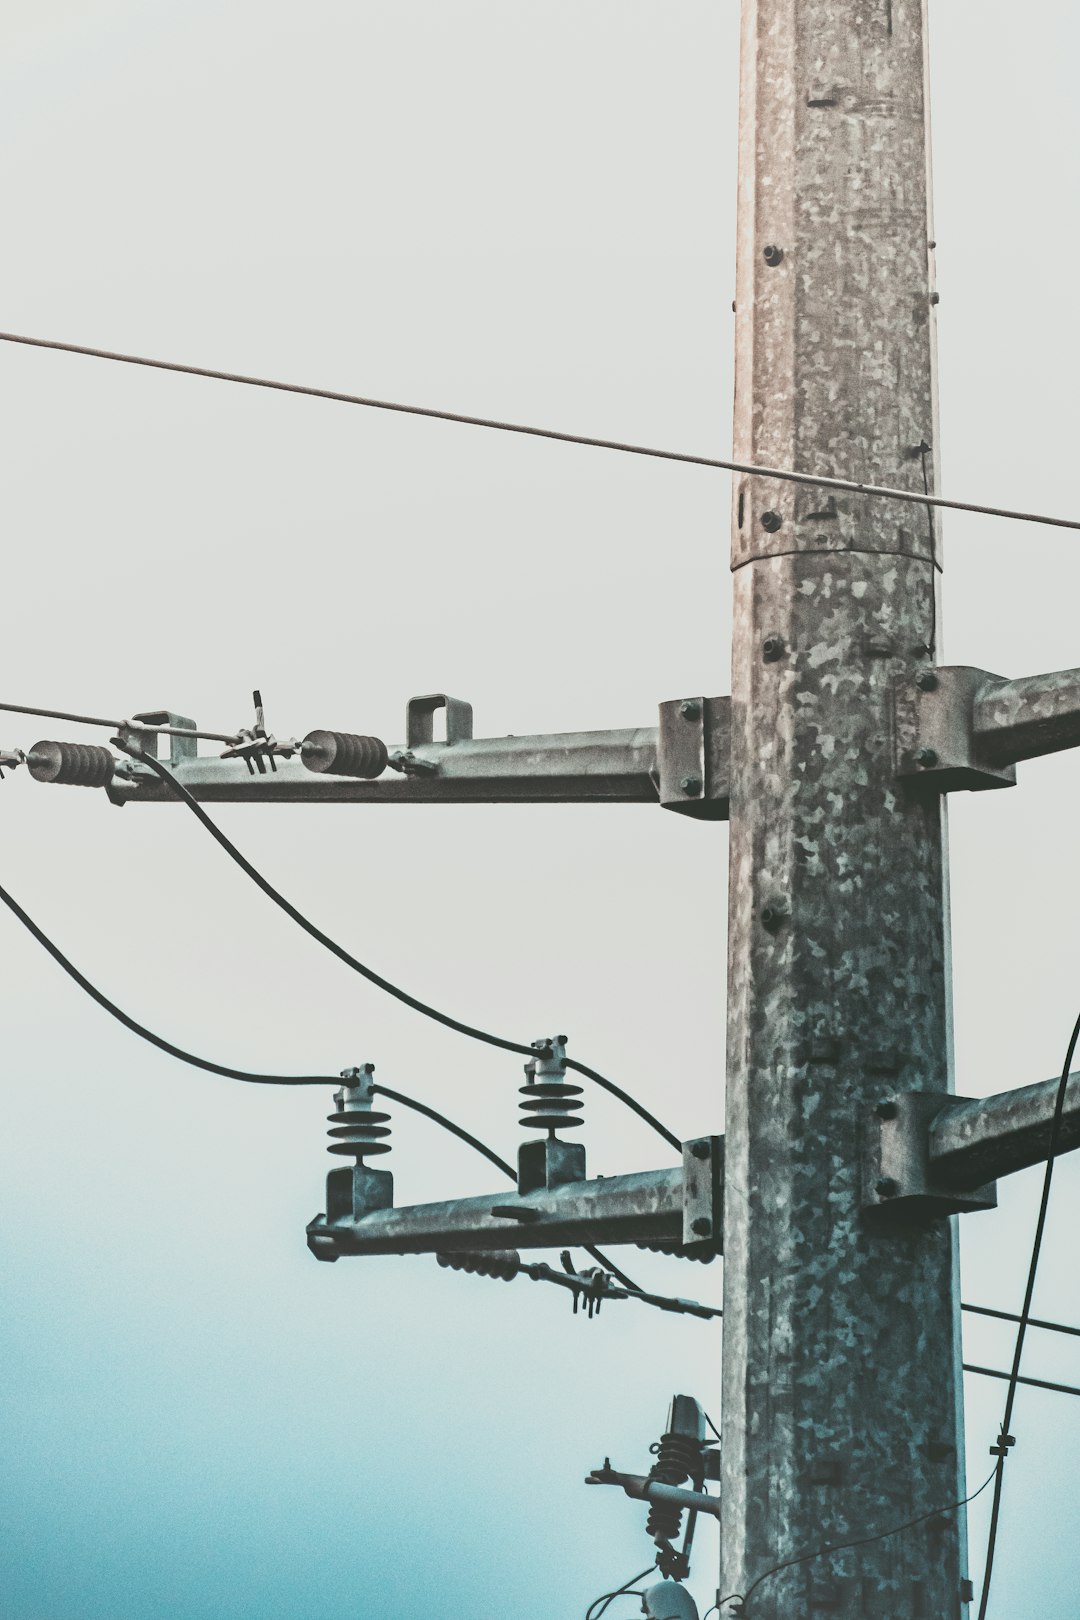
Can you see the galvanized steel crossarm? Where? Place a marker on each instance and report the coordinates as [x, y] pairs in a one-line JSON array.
[[980, 1139], [643, 1207], [616, 767]]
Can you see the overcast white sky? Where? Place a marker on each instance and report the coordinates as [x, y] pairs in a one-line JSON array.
[[521, 209]]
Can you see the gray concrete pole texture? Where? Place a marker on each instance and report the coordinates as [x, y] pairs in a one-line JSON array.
[[841, 1363]]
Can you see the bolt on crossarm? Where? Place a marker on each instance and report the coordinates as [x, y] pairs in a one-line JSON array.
[[841, 1371]]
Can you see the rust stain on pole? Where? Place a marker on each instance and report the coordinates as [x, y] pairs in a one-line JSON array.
[[841, 1342]]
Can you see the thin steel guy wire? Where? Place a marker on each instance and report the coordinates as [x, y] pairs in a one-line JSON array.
[[783, 474]]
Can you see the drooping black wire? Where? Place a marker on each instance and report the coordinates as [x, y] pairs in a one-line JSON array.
[[1005, 1439], [182, 793], [749, 469], [594, 1613], [148, 1034], [272, 1079], [743, 1598]]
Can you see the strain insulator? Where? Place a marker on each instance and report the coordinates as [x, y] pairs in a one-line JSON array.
[[503, 1264], [78, 764], [550, 1103], [357, 1129], [341, 753]]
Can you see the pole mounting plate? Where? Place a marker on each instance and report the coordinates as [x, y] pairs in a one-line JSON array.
[[899, 1181]]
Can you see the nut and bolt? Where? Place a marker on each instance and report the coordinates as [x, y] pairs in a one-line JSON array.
[[886, 1187], [773, 256], [773, 649], [926, 757], [887, 1110], [926, 681], [771, 521], [774, 914], [691, 785], [701, 1227], [690, 708], [701, 1150]]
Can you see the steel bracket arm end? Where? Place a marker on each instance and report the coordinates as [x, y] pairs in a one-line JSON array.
[[929, 1154], [644, 1489], [682, 1206], [957, 727]]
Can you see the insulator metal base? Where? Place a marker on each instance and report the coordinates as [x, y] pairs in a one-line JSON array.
[[549, 1163]]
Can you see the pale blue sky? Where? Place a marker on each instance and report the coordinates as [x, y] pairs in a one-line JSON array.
[[519, 209]]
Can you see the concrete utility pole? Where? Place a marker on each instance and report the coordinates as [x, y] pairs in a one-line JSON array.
[[841, 1376], [846, 1154]]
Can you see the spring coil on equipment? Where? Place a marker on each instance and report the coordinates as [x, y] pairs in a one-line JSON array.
[[77, 764], [678, 1457], [550, 1103], [356, 1128], [343, 753]]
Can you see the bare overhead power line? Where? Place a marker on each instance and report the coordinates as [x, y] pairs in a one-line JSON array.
[[748, 469]]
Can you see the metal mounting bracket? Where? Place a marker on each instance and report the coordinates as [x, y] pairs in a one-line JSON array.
[[693, 757], [934, 734], [703, 1191], [420, 719], [900, 1182]]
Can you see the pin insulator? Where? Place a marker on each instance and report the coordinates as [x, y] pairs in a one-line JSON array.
[[550, 1103], [357, 1129], [341, 753], [77, 764]]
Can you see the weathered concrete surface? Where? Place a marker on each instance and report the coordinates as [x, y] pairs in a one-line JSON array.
[[841, 1343]]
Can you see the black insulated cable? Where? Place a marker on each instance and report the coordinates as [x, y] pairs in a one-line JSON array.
[[1005, 1440], [256, 1079], [177, 787], [743, 1598]]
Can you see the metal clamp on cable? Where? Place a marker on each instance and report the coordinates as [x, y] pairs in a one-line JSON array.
[[256, 746]]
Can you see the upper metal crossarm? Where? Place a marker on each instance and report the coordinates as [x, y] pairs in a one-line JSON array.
[[681, 763]]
